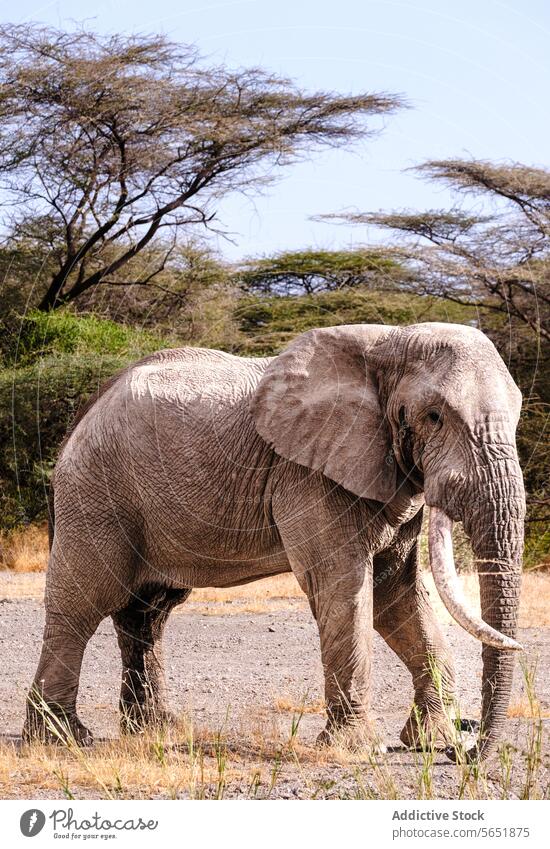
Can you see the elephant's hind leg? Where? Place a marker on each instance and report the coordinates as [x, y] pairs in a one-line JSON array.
[[51, 701], [86, 581], [403, 616], [140, 627]]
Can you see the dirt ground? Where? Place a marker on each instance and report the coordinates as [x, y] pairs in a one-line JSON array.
[[245, 670]]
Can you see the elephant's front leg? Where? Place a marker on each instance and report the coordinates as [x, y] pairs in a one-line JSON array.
[[404, 617], [341, 601], [343, 609], [326, 534]]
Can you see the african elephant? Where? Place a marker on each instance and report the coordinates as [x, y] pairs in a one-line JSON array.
[[196, 468]]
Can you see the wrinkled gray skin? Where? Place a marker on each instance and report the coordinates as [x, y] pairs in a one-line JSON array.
[[195, 468]]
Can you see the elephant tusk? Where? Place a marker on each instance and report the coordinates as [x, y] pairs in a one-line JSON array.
[[440, 544]]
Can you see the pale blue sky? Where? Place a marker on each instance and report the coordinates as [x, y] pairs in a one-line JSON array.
[[476, 73]]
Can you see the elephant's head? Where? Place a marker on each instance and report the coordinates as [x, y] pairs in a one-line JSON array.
[[390, 412]]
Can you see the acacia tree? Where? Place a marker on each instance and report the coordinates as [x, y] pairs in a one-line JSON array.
[[108, 142], [191, 269], [499, 260], [308, 272]]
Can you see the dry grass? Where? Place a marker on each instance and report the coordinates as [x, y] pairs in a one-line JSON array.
[[280, 592], [523, 708], [24, 549], [278, 587], [236, 609], [183, 762], [139, 767], [283, 593], [288, 705], [535, 600], [259, 761], [22, 585]]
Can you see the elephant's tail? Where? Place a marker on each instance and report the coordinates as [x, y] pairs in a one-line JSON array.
[[51, 515]]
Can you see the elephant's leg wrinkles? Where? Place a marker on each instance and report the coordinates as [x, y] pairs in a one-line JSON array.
[[81, 590], [404, 617], [343, 610], [51, 703], [342, 605], [140, 627], [326, 535]]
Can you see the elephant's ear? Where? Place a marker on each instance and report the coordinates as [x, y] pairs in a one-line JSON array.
[[318, 405]]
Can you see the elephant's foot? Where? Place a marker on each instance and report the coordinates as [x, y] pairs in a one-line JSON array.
[[136, 718], [425, 729], [354, 735], [55, 725]]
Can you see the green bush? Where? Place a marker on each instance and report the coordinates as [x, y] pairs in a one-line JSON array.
[[55, 362], [42, 334], [267, 324], [37, 403]]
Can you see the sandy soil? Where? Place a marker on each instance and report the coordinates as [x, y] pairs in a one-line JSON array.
[[242, 671]]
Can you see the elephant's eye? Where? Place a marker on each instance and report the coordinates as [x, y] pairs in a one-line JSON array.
[[435, 417]]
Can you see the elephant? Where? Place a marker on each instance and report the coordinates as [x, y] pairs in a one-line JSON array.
[[198, 468]]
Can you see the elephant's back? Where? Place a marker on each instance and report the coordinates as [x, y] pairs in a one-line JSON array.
[[167, 394], [194, 375]]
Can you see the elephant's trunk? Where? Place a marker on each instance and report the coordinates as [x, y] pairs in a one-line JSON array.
[[494, 524], [496, 534]]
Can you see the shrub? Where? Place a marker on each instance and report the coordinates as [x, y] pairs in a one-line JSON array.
[[267, 324], [55, 362], [42, 334], [37, 403]]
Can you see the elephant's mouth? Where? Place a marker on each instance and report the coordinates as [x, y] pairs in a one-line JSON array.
[[416, 477], [409, 458], [413, 473]]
